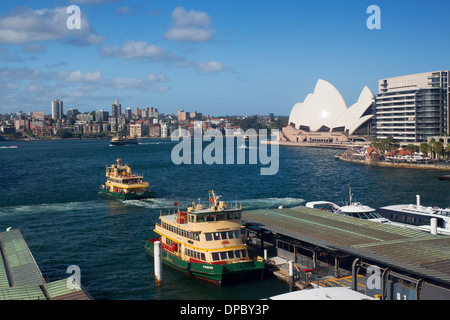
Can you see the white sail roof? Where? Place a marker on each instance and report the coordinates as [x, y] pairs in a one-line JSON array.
[[326, 107]]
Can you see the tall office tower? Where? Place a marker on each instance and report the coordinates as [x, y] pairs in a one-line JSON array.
[[128, 113], [414, 107], [116, 109], [57, 109]]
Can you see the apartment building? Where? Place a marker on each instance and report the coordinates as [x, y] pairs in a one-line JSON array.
[[412, 108]]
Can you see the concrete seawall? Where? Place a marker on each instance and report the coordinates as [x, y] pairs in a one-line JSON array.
[[433, 166]]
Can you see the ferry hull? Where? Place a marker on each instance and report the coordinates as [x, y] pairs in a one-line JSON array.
[[128, 196], [122, 143], [216, 273]]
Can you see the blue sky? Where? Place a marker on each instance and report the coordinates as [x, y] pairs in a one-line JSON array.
[[217, 57]]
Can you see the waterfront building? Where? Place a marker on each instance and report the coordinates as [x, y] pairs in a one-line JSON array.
[[412, 108], [22, 124], [139, 130], [324, 117], [57, 109]]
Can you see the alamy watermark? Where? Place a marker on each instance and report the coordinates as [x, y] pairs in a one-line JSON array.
[[73, 282], [374, 21], [222, 149], [74, 20]]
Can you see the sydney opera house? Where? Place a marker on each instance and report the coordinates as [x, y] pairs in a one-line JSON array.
[[324, 117]]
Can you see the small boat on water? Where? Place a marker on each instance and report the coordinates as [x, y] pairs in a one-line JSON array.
[[121, 140], [418, 216], [122, 184], [352, 209], [206, 242]]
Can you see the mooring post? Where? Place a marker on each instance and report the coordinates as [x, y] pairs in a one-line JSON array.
[[291, 275], [158, 262]]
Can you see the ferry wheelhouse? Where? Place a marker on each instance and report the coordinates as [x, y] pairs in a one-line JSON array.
[[206, 242], [122, 184]]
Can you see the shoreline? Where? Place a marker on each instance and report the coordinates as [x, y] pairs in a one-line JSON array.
[[64, 139], [405, 165]]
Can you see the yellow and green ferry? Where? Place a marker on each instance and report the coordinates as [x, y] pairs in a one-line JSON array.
[[122, 184], [206, 242]]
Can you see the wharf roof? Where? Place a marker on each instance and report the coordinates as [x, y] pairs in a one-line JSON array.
[[416, 252], [20, 276]]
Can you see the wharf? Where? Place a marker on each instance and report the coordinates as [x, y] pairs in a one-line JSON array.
[[411, 264], [21, 278]]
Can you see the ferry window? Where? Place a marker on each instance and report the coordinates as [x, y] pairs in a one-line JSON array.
[[223, 255], [236, 234], [237, 253], [224, 235], [230, 216], [215, 256], [210, 218], [216, 236], [203, 256], [238, 215], [196, 236], [220, 217], [243, 253], [200, 218], [208, 236], [231, 235], [230, 255]]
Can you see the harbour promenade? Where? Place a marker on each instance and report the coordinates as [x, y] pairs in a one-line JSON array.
[[393, 164]]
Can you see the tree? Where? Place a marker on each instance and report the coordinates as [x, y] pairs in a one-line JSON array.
[[390, 143], [424, 147], [412, 148], [438, 147]]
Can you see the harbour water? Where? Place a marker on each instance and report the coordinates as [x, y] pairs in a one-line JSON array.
[[49, 190]]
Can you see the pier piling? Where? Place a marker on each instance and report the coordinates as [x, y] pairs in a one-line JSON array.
[[291, 275], [158, 263]]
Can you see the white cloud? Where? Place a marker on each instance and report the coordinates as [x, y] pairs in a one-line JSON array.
[[134, 50], [25, 25], [157, 77], [79, 76], [211, 66], [142, 51], [190, 25]]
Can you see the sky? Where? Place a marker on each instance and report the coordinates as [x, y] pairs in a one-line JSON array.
[[221, 57]]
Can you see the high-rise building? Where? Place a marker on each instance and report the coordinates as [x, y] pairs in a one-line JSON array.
[[101, 116], [116, 109], [412, 108], [57, 109]]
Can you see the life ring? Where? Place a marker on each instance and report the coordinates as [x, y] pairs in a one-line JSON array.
[[272, 263]]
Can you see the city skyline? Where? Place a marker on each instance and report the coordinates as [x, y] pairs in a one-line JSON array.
[[218, 58]]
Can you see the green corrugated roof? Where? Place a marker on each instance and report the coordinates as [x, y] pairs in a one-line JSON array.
[[412, 250], [17, 266], [19, 259], [59, 288]]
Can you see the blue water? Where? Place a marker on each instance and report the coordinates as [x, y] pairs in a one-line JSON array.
[[49, 190]]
